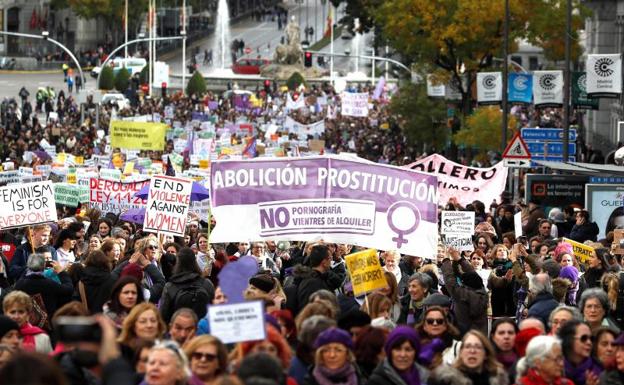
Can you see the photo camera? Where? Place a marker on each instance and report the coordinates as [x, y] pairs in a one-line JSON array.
[[77, 329]]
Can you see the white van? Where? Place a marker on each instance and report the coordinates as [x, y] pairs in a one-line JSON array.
[[134, 65]]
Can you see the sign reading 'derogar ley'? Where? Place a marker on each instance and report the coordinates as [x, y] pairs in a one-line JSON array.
[[330, 198]]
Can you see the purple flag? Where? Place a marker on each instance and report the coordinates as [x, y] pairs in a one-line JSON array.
[[379, 88]]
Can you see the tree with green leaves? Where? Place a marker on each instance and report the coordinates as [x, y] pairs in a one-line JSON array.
[[422, 119], [196, 85], [122, 79], [107, 78], [482, 129]]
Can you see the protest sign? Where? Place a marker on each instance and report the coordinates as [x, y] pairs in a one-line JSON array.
[[518, 224], [9, 177], [354, 104], [138, 135], [336, 199], [365, 272], [27, 204], [239, 322], [294, 127], [70, 195], [457, 228], [581, 251], [618, 241], [464, 183], [114, 196], [167, 205]]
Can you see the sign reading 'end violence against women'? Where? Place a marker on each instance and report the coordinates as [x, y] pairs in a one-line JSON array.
[[27, 204], [329, 198], [167, 205]]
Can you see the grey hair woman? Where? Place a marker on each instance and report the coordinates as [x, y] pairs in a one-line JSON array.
[[594, 305], [542, 363]]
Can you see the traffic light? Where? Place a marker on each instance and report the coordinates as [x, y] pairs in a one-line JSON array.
[[267, 86], [307, 59], [164, 90]]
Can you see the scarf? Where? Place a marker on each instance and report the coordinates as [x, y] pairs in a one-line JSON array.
[[577, 372], [508, 359], [411, 376], [29, 332], [345, 375], [414, 307], [534, 378]]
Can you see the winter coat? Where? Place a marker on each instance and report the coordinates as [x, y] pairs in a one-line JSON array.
[[533, 378], [541, 307], [54, 295], [611, 377], [501, 290], [404, 316], [588, 231], [470, 305], [385, 374], [314, 282], [98, 284], [20, 257], [449, 375], [177, 281]]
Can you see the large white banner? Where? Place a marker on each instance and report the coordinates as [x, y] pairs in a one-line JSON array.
[[168, 205], [354, 104], [295, 127], [464, 183], [548, 88], [330, 198], [489, 87], [27, 204], [604, 75]]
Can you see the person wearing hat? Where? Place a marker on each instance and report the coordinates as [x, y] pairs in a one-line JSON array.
[[9, 333], [400, 367], [470, 298], [334, 362], [615, 376]]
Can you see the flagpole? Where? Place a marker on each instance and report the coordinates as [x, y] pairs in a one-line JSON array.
[[126, 29], [331, 44], [566, 84]]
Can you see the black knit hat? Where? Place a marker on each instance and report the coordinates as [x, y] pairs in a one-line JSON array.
[[263, 282], [6, 325], [472, 280]]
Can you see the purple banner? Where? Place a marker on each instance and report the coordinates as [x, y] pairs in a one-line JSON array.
[[330, 198]]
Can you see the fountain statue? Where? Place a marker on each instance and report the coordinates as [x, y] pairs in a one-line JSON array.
[[288, 58]]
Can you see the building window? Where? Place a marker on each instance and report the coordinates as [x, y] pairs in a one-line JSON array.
[[533, 63]]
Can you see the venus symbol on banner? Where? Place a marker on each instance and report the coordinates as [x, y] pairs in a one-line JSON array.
[[408, 216]]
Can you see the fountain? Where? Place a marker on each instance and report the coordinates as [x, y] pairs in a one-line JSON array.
[[357, 47], [221, 42]]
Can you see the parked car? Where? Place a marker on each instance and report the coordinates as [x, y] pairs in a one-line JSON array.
[[115, 98], [134, 65], [249, 66]]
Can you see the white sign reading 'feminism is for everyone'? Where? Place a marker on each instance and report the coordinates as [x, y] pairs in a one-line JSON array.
[[167, 205], [27, 204]]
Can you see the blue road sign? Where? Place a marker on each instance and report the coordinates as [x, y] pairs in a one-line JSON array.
[[546, 134], [550, 148], [552, 158]]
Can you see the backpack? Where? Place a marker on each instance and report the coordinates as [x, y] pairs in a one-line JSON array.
[[193, 296], [39, 315]]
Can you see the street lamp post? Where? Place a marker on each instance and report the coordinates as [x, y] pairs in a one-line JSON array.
[[150, 40], [45, 35], [183, 33]]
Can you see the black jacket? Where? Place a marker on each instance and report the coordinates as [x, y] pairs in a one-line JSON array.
[[314, 282], [177, 281], [541, 307], [586, 232], [157, 278], [98, 284], [54, 295]]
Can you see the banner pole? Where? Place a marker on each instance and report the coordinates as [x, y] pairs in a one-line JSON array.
[[30, 239]]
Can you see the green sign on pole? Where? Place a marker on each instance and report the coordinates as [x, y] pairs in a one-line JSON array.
[[580, 99]]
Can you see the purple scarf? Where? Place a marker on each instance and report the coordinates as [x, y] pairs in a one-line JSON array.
[[411, 376], [341, 376], [576, 373]]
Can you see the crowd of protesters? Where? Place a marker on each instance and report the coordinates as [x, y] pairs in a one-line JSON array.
[[524, 310]]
